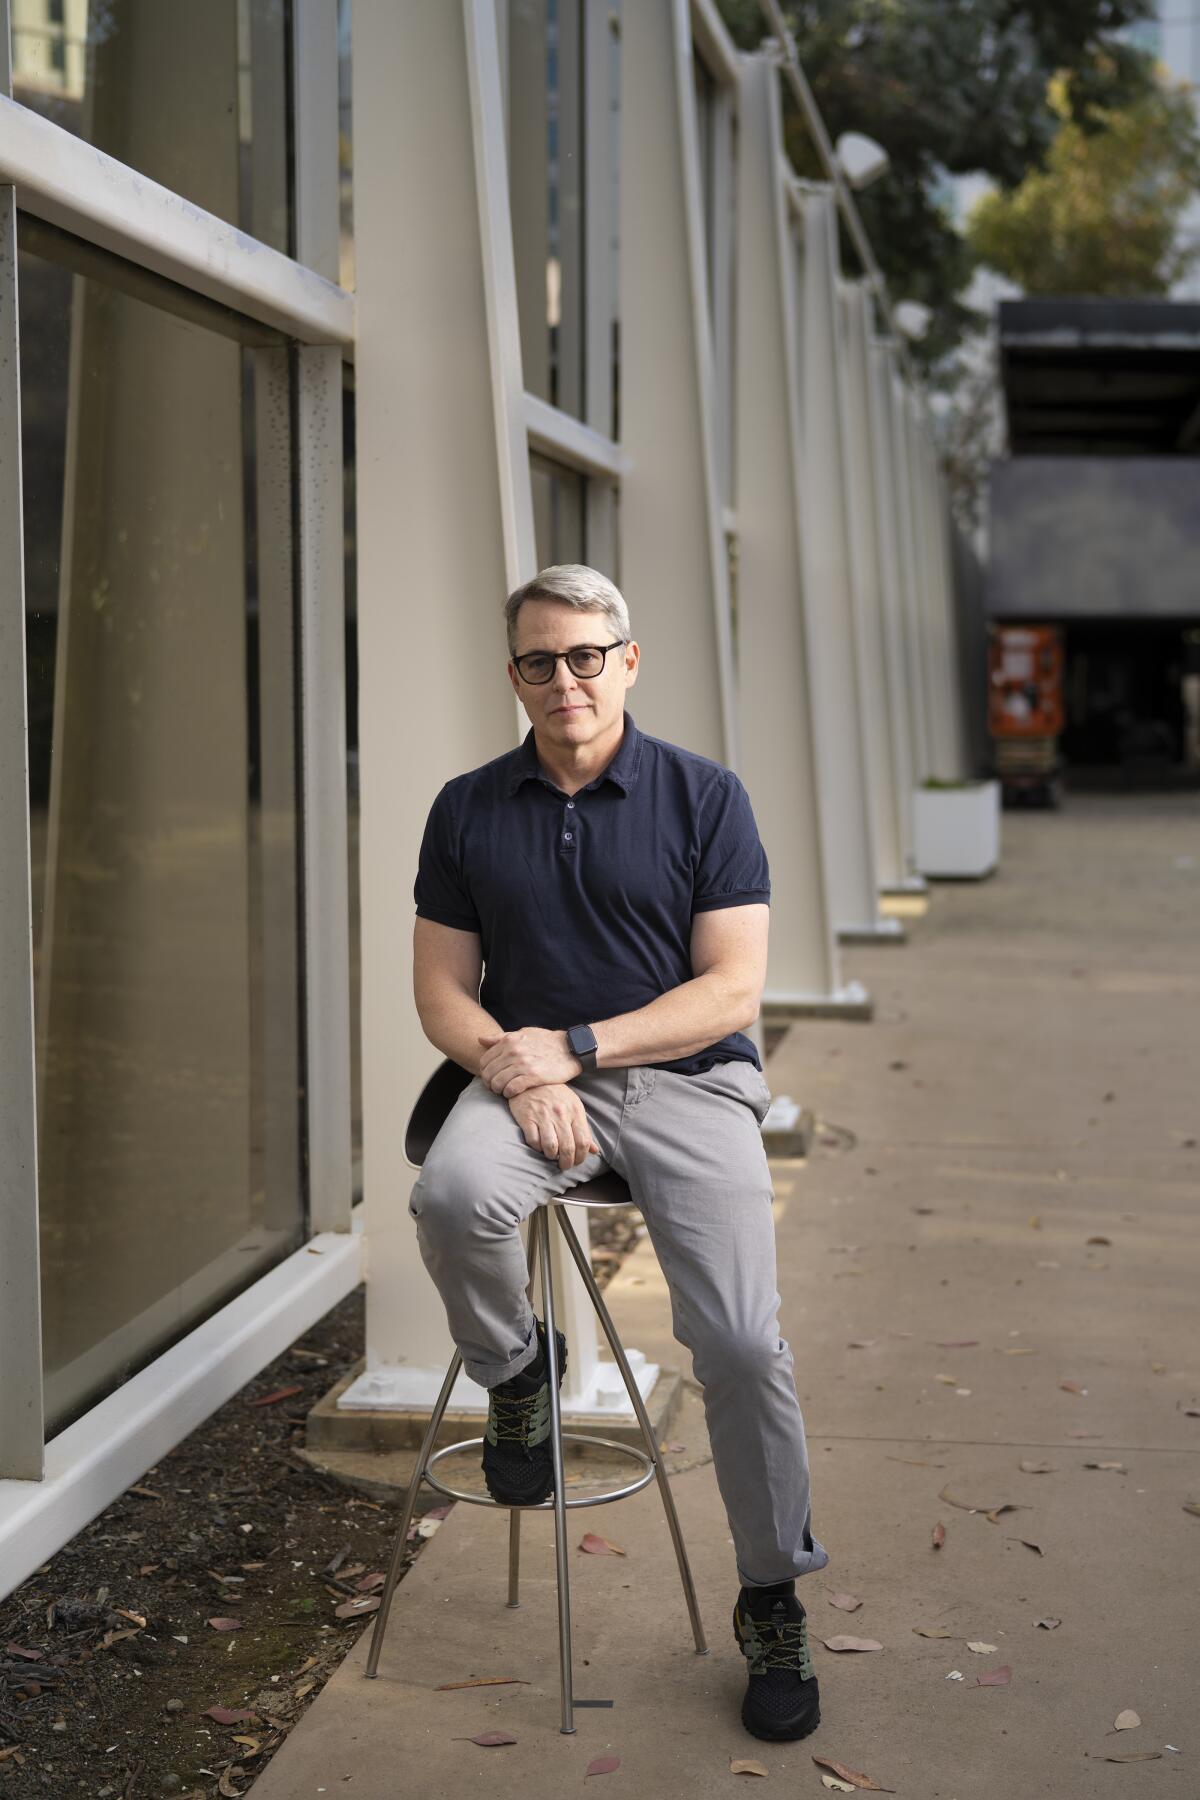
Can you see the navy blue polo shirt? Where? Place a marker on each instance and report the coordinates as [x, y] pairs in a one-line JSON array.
[[584, 905]]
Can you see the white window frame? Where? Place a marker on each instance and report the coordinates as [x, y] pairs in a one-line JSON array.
[[54, 176]]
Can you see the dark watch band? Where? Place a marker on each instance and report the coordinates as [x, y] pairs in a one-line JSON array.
[[582, 1040]]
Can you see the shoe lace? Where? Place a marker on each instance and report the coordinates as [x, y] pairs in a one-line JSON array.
[[776, 1644], [518, 1418]]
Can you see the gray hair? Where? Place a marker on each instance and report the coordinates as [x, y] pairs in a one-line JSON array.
[[575, 585]]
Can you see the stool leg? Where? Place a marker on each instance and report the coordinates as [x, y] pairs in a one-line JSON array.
[[643, 1418], [410, 1502], [556, 1449], [514, 1556]]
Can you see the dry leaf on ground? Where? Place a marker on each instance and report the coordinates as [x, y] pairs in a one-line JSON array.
[[854, 1776], [845, 1602], [224, 1624], [1131, 1756], [916, 1462], [355, 1609], [994, 1677], [989, 1512], [444, 1687], [939, 1535], [932, 1631], [279, 1394], [603, 1765], [746, 1766], [1126, 1721], [229, 1715], [982, 1649], [842, 1642], [1030, 1545], [1192, 1506], [1038, 1468], [225, 1785], [955, 1343], [840, 1787], [595, 1545], [1048, 1624], [488, 1740], [1072, 1387]]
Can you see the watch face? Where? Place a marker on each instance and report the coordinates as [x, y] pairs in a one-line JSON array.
[[581, 1038]]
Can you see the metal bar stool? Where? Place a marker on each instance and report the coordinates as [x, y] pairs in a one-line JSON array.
[[428, 1116]]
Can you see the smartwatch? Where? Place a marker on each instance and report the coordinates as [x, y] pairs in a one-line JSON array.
[[582, 1040]]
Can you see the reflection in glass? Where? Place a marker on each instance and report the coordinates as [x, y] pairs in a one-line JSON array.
[[559, 503], [347, 274], [159, 597], [546, 176], [194, 96]]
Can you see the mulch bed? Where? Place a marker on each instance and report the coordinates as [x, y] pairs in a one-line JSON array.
[[110, 1660]]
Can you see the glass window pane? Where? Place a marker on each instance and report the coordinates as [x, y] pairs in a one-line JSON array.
[[162, 795], [545, 152], [347, 275], [559, 502], [194, 96]]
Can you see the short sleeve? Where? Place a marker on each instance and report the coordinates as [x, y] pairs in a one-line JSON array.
[[440, 892], [732, 870]]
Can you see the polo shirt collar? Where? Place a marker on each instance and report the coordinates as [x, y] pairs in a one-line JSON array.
[[622, 771]]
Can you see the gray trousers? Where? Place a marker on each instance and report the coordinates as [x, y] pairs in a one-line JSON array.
[[690, 1149]]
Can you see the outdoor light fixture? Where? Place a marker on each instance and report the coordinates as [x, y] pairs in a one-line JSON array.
[[862, 159], [912, 316]]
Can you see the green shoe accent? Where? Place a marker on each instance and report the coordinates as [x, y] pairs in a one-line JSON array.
[[520, 1420], [769, 1644]]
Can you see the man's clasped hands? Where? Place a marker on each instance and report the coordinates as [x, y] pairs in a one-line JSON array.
[[533, 1070]]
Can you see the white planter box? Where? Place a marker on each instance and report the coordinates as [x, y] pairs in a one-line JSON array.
[[957, 830]]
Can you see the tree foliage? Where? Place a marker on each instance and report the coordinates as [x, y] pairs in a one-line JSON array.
[[1103, 215], [949, 87]]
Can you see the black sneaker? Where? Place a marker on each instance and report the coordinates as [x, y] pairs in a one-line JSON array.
[[782, 1700], [517, 1465]]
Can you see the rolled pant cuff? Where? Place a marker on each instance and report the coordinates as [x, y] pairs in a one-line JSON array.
[[491, 1374], [807, 1562]]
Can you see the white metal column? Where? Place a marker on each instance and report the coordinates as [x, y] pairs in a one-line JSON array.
[[828, 516], [778, 751], [891, 600]]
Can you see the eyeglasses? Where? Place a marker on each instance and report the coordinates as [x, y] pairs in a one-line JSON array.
[[584, 661]]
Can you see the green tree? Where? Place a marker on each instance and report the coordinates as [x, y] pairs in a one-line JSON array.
[[949, 87], [1103, 215]]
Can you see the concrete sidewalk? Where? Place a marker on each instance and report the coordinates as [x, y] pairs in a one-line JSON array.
[[1029, 1084]]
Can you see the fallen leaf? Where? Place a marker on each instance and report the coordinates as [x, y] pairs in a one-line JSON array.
[[1029, 1545], [983, 1649], [225, 1784], [1048, 1624], [1072, 1387], [488, 1740], [279, 1394], [1038, 1468], [916, 1462], [29, 1655], [995, 1677], [428, 1526], [1192, 1506], [147, 1493], [229, 1715], [845, 1602], [862, 1343], [939, 1535], [955, 1343], [1099, 1240], [1131, 1756], [1126, 1721], [948, 1380], [1019, 1350], [956, 1675], [224, 1624], [254, 1745], [744, 1766], [932, 1631], [851, 1643], [599, 1546], [991, 1512], [370, 1582], [1119, 1467], [355, 1609], [840, 1787], [1191, 1412], [444, 1687], [603, 1765], [1035, 1223], [854, 1776]]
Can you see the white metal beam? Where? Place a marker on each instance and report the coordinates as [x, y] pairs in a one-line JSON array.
[[70, 183]]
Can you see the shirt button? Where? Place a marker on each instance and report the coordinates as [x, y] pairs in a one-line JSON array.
[[570, 806], [566, 837]]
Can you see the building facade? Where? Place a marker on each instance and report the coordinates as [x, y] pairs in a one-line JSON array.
[[320, 330]]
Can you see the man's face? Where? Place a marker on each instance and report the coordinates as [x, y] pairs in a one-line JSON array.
[[569, 709]]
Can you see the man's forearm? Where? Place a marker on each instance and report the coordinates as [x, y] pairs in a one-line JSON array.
[[681, 1021], [454, 1023]]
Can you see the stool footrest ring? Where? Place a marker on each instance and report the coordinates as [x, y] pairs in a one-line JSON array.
[[569, 1437]]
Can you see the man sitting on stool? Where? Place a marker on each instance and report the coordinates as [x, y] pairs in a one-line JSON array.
[[613, 892]]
